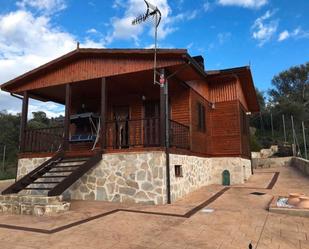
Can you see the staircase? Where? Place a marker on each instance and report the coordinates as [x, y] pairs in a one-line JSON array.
[[55, 175]]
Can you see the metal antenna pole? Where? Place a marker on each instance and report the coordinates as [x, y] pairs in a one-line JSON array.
[[151, 11], [304, 137], [155, 50], [284, 132]]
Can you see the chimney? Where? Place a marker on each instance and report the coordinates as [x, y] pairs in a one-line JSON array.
[[200, 60]]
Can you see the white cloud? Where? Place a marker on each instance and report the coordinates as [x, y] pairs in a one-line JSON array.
[[92, 31], [27, 41], [284, 35], [122, 28], [224, 37], [206, 6], [263, 28], [297, 33], [252, 4], [47, 6], [13, 105]]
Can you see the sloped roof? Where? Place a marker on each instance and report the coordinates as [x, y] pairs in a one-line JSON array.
[[246, 80], [180, 54]]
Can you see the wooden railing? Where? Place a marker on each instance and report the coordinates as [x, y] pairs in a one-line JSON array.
[[133, 133], [119, 135], [43, 139], [144, 132]]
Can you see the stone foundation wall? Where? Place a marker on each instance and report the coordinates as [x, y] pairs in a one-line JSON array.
[[239, 168], [139, 177], [196, 172], [201, 171], [136, 177], [25, 165]]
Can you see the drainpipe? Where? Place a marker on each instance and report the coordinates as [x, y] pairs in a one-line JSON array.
[[167, 143], [164, 87]]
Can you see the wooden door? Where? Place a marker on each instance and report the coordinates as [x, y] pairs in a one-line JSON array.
[[151, 123]]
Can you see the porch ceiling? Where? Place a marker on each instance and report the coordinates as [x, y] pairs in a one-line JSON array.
[[132, 84]]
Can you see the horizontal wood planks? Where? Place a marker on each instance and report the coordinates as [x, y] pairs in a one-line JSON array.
[[222, 89], [91, 68], [224, 137], [199, 139]]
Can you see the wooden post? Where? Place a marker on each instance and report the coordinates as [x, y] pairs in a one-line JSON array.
[[67, 116], [103, 113], [23, 122]]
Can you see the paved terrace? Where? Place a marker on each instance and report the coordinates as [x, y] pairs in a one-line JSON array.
[[239, 218]]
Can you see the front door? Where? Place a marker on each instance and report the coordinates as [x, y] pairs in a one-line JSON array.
[[121, 117], [151, 123]]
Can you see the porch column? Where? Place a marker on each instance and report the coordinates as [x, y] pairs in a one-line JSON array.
[[103, 113], [23, 121], [67, 116]]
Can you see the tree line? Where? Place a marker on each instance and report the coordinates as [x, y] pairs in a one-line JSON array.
[[9, 137], [287, 98]]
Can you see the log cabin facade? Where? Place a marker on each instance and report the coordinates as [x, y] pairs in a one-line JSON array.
[[137, 141]]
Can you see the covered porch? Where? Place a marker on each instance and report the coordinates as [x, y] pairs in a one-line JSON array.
[[117, 113]]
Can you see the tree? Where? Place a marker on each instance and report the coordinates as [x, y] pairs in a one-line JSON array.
[[9, 134], [290, 94]]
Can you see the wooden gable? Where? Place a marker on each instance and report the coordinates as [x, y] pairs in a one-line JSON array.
[[81, 66]]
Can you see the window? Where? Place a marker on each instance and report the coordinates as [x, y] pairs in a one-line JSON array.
[[201, 117], [178, 170], [243, 120]]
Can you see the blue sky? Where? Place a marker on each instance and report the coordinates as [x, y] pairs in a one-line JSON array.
[[271, 35]]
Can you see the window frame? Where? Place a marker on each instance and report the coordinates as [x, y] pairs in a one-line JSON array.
[[201, 117]]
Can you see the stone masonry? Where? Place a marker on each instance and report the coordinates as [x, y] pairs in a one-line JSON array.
[[201, 171], [139, 177], [124, 177], [33, 205]]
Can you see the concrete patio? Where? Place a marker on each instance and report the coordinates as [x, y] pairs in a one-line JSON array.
[[239, 218]]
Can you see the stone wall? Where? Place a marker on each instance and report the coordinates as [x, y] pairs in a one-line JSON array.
[[140, 177], [136, 177], [301, 164], [201, 171], [196, 172], [270, 162], [239, 168], [25, 165]]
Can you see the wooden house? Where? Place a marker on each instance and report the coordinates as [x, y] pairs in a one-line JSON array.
[[125, 138]]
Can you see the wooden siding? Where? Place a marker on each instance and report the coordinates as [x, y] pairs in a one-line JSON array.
[[201, 87], [199, 139], [90, 68], [245, 132], [241, 95], [222, 89], [224, 127], [179, 101]]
